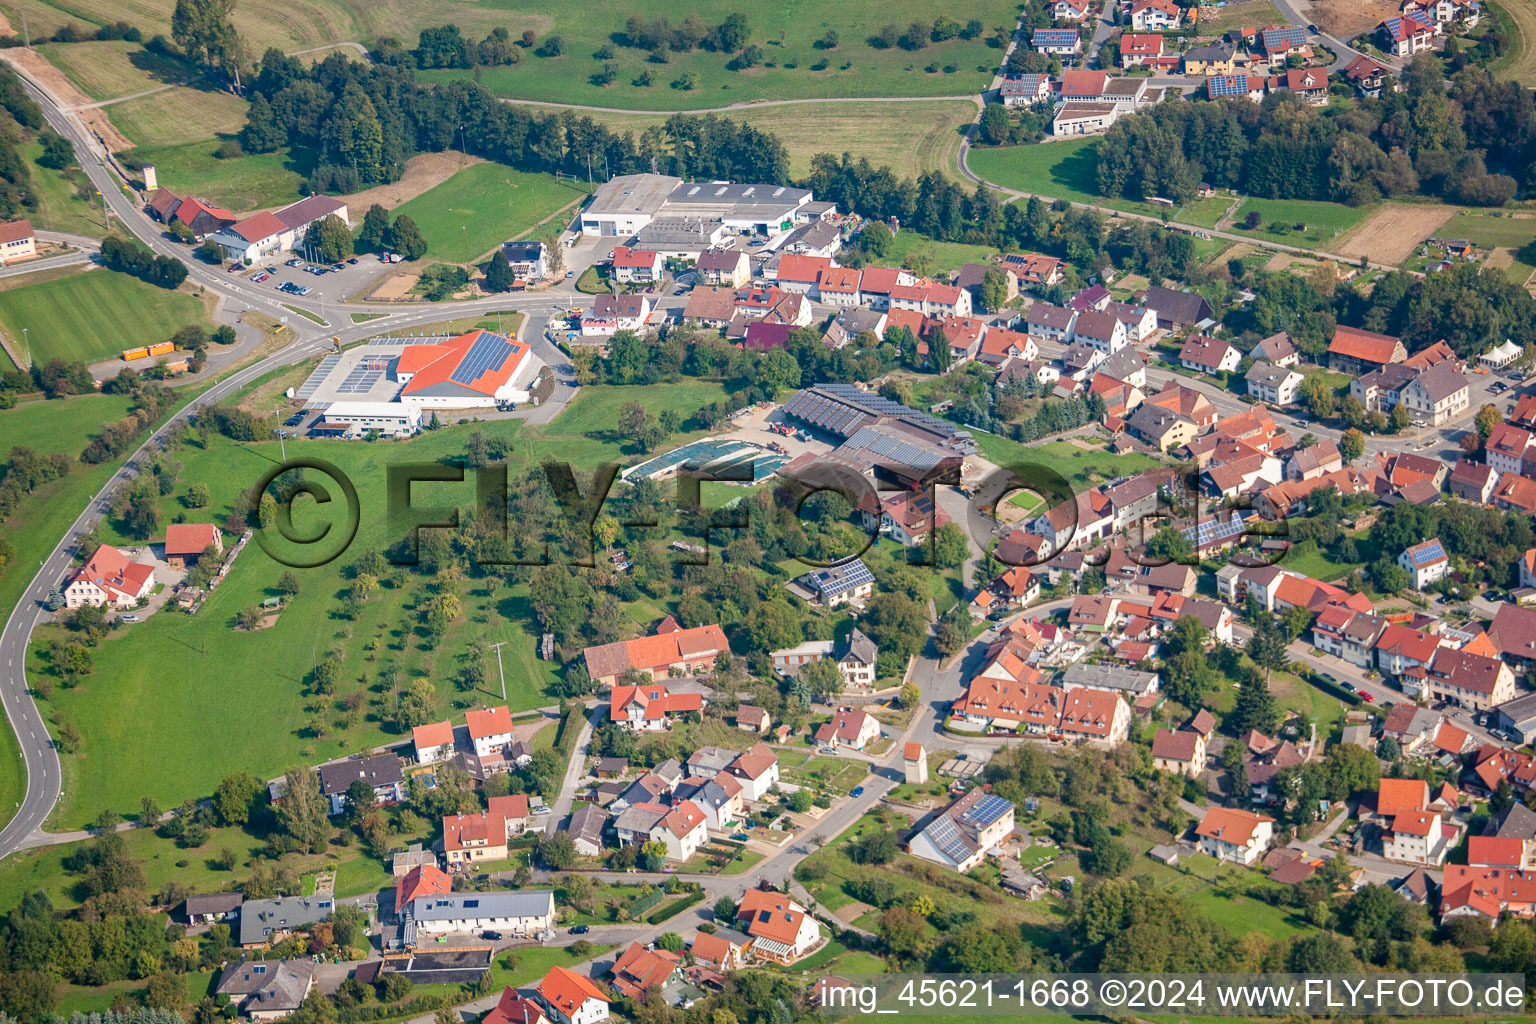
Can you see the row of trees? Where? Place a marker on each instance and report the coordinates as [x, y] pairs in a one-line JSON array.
[[366, 120]]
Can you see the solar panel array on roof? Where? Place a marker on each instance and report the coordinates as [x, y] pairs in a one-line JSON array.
[[839, 579], [1213, 531], [1055, 36], [893, 449], [1426, 554], [1227, 85], [488, 352], [359, 380], [987, 810], [945, 835], [1278, 37]]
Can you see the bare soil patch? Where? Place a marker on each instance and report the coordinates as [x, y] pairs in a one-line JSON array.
[[393, 289], [423, 172], [1392, 233], [5, 26], [1500, 259], [1346, 19]]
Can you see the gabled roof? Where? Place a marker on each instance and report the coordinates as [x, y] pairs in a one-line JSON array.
[[1366, 346], [1230, 825], [183, 539], [488, 722], [259, 227], [433, 734], [477, 363], [567, 991]]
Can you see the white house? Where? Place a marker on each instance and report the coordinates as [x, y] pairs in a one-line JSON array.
[[519, 913], [850, 727], [1425, 563], [611, 313], [1416, 837], [108, 578], [1154, 15], [1237, 836], [489, 730], [757, 770], [682, 830], [266, 233], [1273, 384], [781, 929], [572, 998]]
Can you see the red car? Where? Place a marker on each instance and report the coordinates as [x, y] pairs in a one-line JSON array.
[[1366, 695]]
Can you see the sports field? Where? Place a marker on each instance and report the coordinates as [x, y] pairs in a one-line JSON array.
[[104, 70], [910, 138], [93, 315], [484, 205]]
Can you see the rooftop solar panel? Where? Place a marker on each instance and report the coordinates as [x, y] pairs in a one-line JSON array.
[[488, 352], [987, 810], [946, 836]]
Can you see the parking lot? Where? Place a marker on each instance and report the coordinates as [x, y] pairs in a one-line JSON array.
[[356, 277]]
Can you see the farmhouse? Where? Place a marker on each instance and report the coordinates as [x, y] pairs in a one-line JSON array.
[[186, 542], [108, 578], [266, 233], [1355, 351], [676, 649]]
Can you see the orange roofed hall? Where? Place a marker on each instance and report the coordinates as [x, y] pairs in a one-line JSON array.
[[684, 650]]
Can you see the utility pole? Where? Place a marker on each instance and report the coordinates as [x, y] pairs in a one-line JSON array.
[[497, 648], [26, 345]]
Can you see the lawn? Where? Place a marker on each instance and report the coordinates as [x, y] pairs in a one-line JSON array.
[[1027, 500], [59, 208], [260, 715], [1078, 465], [1488, 231], [910, 138], [595, 411], [484, 205], [924, 255], [1216, 20], [107, 69], [1305, 558], [1323, 221], [93, 315], [178, 115], [244, 183]]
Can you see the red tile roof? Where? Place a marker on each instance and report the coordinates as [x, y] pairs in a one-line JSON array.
[[568, 991], [432, 365], [1230, 825], [257, 228], [491, 722], [15, 230], [422, 880], [1367, 346], [433, 734], [182, 539]]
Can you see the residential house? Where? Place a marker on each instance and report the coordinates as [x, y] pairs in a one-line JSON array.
[[711, 307], [529, 260], [524, 913], [1223, 86], [781, 930], [613, 313], [851, 728], [639, 969], [1044, 320], [17, 241], [1139, 321], [433, 742], [1136, 49], [1506, 448], [1408, 34], [1277, 349], [729, 268], [1426, 563], [1273, 384], [1438, 394], [838, 286], [1102, 332], [1473, 481], [723, 948], [381, 772], [1514, 493], [512, 1008], [1206, 354], [263, 922], [490, 731], [636, 266], [1033, 270], [472, 838], [756, 771], [852, 322], [791, 272], [1310, 84], [1069, 10], [109, 579], [1019, 90], [1368, 76], [682, 829], [586, 828], [1279, 42], [1154, 15], [1215, 60], [1235, 835], [1181, 752], [264, 990], [572, 998], [649, 707], [1469, 680], [1062, 42], [998, 346], [959, 837]]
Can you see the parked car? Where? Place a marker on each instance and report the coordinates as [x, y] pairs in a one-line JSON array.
[[294, 420], [130, 618], [740, 837], [493, 936], [294, 263], [580, 929], [1366, 695], [858, 791], [259, 278]]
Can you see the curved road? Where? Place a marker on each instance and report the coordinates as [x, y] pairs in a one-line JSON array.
[[42, 763]]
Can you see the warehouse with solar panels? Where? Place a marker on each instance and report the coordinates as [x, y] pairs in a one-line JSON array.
[[733, 461]]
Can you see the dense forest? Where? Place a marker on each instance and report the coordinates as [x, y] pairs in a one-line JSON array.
[[1474, 144]]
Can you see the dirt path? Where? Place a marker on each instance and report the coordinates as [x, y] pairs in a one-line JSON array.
[[1392, 233], [423, 172]]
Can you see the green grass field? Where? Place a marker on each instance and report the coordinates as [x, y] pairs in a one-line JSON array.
[[1324, 221], [928, 256], [259, 716], [58, 207], [910, 138], [250, 182], [482, 206], [1488, 231], [175, 116], [1078, 465], [93, 315], [107, 69]]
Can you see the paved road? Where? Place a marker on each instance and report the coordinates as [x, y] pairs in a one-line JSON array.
[[43, 787]]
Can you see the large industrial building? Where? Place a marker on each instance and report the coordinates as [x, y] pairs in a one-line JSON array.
[[388, 385], [692, 216]]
